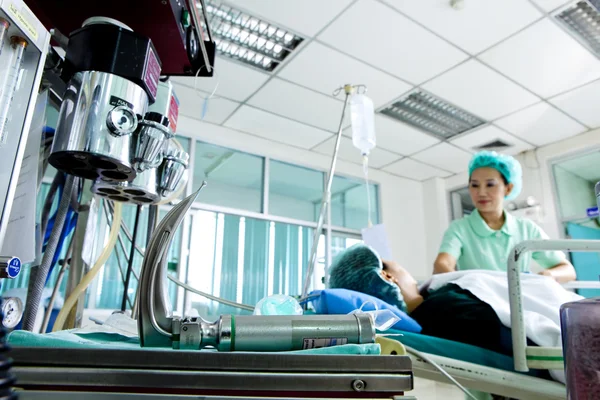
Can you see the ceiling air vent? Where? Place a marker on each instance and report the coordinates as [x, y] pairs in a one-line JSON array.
[[432, 114], [249, 39], [582, 21], [495, 145]]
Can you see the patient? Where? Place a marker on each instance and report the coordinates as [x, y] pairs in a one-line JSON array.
[[450, 312]]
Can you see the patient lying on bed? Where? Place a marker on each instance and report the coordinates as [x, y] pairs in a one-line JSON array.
[[451, 306]]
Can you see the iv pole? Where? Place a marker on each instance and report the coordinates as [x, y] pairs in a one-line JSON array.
[[325, 202]]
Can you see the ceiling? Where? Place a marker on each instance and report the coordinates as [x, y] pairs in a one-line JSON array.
[[506, 62]]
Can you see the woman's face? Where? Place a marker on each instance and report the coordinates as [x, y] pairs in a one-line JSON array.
[[488, 190]]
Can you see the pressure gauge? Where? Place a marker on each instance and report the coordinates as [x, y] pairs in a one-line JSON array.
[[121, 121], [12, 309]]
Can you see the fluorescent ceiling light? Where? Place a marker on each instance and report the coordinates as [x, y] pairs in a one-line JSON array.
[[432, 115], [582, 20], [249, 39]]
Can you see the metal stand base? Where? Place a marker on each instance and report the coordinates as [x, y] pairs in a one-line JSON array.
[[170, 373]]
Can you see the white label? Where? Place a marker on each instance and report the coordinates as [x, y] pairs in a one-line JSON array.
[[323, 342], [377, 238]]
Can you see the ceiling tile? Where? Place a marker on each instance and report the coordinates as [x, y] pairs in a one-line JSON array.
[[235, 81], [398, 137], [274, 127], [377, 158], [374, 32], [541, 124], [304, 105], [550, 5], [492, 20], [335, 69], [472, 140], [446, 157], [581, 103], [191, 104], [544, 59], [306, 17], [480, 90], [412, 169]]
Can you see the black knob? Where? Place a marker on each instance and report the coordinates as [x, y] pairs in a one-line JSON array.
[[157, 117]]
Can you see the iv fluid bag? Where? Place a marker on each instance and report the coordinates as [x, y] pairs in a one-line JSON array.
[[363, 123]]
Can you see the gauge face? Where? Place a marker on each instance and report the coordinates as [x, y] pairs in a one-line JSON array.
[[121, 121], [12, 309]]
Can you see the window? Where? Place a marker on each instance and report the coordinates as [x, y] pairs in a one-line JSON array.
[[294, 192], [235, 178], [349, 206], [244, 259]]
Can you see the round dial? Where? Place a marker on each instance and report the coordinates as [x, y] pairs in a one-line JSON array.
[[121, 121], [12, 308]]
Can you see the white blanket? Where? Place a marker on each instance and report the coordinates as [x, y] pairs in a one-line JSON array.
[[542, 298]]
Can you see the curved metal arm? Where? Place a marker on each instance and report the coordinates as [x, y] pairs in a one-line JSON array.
[[519, 336], [155, 314]]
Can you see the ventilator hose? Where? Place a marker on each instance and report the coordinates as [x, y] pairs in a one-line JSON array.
[[7, 379], [89, 277], [37, 279]]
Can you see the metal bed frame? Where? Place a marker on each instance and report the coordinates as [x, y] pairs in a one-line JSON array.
[[514, 384]]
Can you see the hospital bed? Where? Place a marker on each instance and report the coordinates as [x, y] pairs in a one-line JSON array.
[[487, 371]]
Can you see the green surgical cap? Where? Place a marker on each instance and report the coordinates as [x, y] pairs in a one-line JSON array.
[[359, 268], [508, 166]]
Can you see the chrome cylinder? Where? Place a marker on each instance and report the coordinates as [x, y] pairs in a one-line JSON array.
[[141, 191], [97, 118], [273, 332], [298, 332], [172, 168]]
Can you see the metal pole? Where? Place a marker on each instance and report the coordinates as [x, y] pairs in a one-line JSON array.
[[152, 220], [138, 211], [326, 197], [78, 267]]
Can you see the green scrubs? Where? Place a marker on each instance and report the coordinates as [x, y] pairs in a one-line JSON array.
[[475, 245]]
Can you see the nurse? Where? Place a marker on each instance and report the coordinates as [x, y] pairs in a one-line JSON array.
[[484, 239]]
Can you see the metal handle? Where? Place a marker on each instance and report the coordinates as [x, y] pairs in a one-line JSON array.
[[519, 336]]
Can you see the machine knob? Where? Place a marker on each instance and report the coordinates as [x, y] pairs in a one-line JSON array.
[[156, 117], [10, 267]]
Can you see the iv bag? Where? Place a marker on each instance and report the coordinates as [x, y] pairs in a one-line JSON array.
[[363, 123]]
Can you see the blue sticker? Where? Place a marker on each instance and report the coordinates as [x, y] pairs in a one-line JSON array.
[[14, 267], [592, 212]]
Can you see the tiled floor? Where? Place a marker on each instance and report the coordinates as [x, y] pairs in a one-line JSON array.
[[430, 390]]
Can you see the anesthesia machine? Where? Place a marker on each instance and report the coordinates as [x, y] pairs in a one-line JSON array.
[[107, 69]]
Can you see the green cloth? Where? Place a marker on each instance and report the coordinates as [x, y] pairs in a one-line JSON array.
[[102, 340], [460, 351], [475, 245]]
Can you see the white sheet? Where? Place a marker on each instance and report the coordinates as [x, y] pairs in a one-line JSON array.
[[542, 298]]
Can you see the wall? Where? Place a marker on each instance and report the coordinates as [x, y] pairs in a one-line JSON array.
[[574, 194], [538, 180], [401, 199], [437, 218]]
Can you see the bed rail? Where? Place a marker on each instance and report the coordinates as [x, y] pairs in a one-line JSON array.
[[519, 338]]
